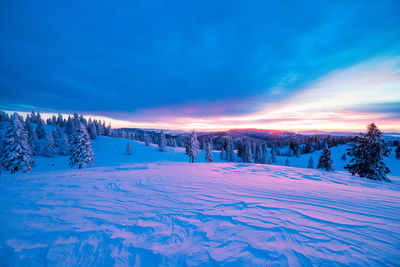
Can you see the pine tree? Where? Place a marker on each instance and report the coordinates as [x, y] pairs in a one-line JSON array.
[[367, 153], [264, 158], [248, 155], [16, 154], [398, 152], [162, 142], [108, 130], [343, 157], [209, 156], [40, 132], [287, 163], [56, 133], [34, 143], [65, 148], [32, 137], [310, 163], [50, 147], [325, 162], [92, 130], [240, 150], [273, 154], [230, 154], [222, 155], [128, 148], [192, 147], [146, 139], [81, 149]]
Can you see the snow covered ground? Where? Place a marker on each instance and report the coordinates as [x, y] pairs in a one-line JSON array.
[[110, 151], [152, 208], [195, 214]]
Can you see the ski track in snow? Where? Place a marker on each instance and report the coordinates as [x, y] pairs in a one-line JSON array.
[[180, 214]]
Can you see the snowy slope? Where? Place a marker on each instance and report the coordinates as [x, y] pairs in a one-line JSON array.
[[110, 151], [179, 214]]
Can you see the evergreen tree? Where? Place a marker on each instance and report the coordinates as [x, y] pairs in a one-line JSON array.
[[108, 130], [16, 154], [40, 132], [264, 158], [50, 147], [230, 154], [81, 149], [56, 133], [222, 155], [343, 157], [398, 152], [192, 147], [287, 163], [367, 153], [65, 148], [209, 156], [69, 126], [273, 154], [34, 143], [146, 139], [240, 150], [128, 148], [325, 162], [92, 130], [162, 142], [310, 163], [248, 155]]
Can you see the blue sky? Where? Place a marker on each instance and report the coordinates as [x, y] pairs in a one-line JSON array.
[[186, 62]]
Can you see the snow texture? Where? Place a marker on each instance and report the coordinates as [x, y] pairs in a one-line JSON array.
[[195, 214]]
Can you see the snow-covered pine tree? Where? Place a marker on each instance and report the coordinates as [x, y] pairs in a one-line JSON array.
[[34, 143], [16, 154], [398, 152], [310, 163], [343, 157], [92, 130], [248, 155], [56, 133], [108, 131], [325, 162], [146, 139], [240, 150], [264, 158], [50, 147], [367, 153], [259, 157], [32, 136], [40, 132], [128, 148], [162, 146], [230, 154], [287, 163], [60, 121], [192, 147], [273, 154], [209, 156], [65, 148], [82, 153], [222, 155]]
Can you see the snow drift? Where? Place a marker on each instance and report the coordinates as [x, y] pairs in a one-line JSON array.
[[179, 214]]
